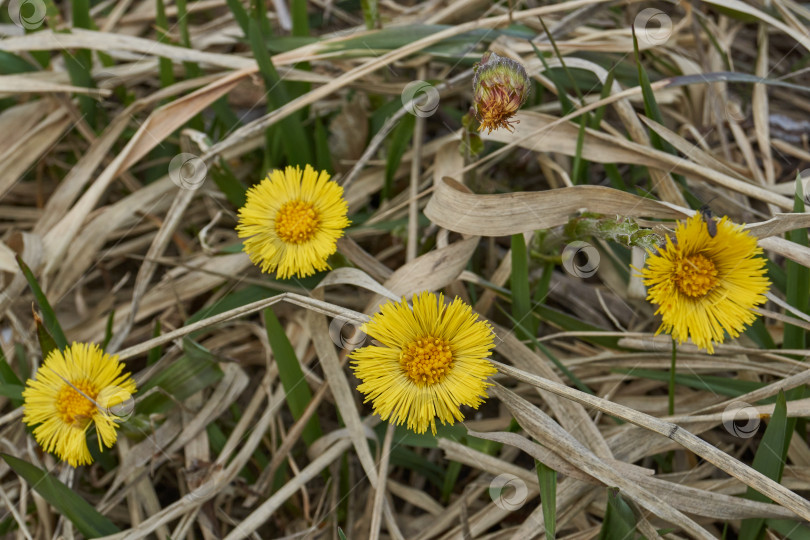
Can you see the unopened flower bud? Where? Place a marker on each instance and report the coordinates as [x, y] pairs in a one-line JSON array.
[[500, 87]]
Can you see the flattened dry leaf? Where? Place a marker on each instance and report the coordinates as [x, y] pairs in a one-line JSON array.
[[358, 278], [544, 133], [455, 208], [779, 224], [430, 271], [164, 120]]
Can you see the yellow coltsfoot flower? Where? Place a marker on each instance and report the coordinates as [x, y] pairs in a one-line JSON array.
[[433, 358], [292, 221], [71, 390], [706, 284]]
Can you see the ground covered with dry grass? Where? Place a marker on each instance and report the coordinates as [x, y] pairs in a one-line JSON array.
[[131, 130]]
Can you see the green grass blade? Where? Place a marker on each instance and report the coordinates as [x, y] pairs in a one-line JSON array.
[[572, 324], [619, 523], [195, 370], [792, 530], [182, 22], [521, 295], [296, 145], [108, 330], [547, 478], [541, 288], [46, 341], [7, 375], [450, 479], [87, 519], [79, 63], [724, 386], [599, 113], [579, 168], [166, 69], [371, 13], [759, 334], [259, 15], [400, 139], [48, 315], [545, 350], [228, 184], [13, 392], [240, 14], [651, 108], [154, 353], [323, 157], [300, 18], [292, 378], [565, 104], [769, 460], [798, 278], [11, 386]]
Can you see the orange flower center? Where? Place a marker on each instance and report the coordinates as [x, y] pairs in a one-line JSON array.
[[695, 275], [496, 108], [426, 361], [297, 222], [73, 407]]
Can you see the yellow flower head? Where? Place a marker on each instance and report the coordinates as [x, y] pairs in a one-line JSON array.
[[74, 388], [432, 360], [291, 223], [706, 284]]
